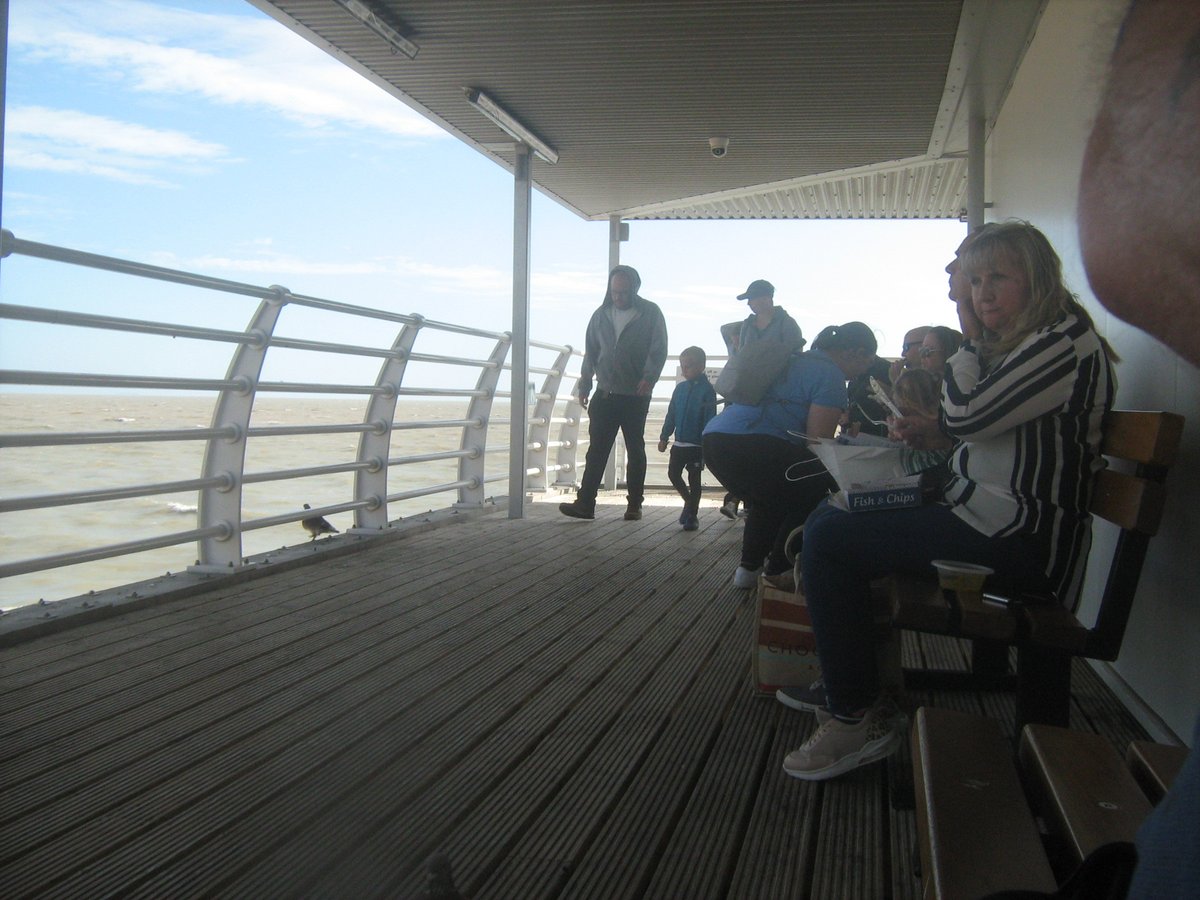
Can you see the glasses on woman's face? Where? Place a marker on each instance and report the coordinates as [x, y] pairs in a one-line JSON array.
[[927, 352]]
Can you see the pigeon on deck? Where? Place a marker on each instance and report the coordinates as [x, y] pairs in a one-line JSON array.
[[317, 525]]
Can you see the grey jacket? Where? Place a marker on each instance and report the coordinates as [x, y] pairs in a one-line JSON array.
[[639, 354], [783, 328]]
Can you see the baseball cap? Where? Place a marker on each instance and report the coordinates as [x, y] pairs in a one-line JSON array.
[[758, 288]]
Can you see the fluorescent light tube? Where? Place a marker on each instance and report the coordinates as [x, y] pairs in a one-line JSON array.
[[364, 14], [511, 126]]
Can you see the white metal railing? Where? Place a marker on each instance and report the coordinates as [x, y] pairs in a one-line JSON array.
[[221, 519]]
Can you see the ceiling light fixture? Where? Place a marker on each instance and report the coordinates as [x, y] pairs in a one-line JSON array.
[[511, 126], [366, 15]]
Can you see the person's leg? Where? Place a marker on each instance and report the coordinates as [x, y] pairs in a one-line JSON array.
[[633, 427], [675, 465], [695, 470], [735, 460], [781, 477], [807, 483], [603, 423], [843, 552]]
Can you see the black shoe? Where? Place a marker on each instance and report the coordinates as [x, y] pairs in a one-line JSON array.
[[578, 509], [633, 512], [807, 699]]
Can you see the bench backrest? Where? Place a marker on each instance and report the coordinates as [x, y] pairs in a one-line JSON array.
[[1147, 442]]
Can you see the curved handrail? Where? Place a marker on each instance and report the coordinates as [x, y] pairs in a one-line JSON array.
[[221, 519]]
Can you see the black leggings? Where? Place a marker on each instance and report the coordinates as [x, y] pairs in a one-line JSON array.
[[692, 459], [780, 482]]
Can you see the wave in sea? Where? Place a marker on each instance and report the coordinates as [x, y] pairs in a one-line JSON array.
[[182, 507]]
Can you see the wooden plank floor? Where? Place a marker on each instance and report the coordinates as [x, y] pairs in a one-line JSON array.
[[561, 708]]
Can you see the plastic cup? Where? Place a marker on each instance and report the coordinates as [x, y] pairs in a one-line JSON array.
[[964, 578]]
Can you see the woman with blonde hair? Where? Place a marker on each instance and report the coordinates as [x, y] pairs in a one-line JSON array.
[[1022, 406]]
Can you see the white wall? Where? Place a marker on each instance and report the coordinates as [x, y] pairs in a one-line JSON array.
[[1034, 157]]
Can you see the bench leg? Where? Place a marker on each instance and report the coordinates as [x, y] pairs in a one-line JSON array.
[[989, 662], [1043, 687]]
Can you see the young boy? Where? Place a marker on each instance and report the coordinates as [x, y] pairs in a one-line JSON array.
[[692, 405]]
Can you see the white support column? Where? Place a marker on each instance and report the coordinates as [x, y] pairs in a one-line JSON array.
[[617, 232], [976, 161], [519, 358]]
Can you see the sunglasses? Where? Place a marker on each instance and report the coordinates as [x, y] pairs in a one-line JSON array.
[[904, 349], [927, 352]]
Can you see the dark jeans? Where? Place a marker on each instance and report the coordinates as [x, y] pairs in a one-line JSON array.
[[692, 459], [777, 480], [608, 414], [843, 552]]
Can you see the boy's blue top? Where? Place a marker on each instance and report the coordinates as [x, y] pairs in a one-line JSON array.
[[812, 379], [692, 405]]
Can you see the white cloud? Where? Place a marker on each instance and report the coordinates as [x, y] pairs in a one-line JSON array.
[[68, 141], [225, 59]]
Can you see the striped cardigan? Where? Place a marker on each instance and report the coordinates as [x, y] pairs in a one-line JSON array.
[[1029, 432]]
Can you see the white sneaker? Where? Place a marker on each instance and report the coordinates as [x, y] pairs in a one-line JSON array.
[[744, 579], [837, 747]]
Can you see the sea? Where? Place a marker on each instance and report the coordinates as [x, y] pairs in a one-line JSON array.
[[52, 470]]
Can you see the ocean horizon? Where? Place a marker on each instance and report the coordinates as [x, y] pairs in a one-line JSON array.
[[51, 470]]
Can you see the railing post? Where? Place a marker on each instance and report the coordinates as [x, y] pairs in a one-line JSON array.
[[226, 457], [568, 453], [539, 426], [375, 446], [474, 436]]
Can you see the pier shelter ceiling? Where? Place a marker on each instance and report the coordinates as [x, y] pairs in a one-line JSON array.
[[842, 109]]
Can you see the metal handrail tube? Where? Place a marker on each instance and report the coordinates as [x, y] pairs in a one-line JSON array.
[[114, 437], [116, 323], [451, 360], [41, 563], [287, 518], [292, 430], [557, 348], [300, 387], [431, 489], [438, 423], [439, 392], [98, 495], [326, 347], [307, 471], [409, 319], [10, 244], [78, 379], [428, 457]]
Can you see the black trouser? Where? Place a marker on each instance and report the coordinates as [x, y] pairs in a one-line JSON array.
[[692, 459], [607, 414], [780, 482]]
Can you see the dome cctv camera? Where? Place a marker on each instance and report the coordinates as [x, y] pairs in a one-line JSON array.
[[719, 146]]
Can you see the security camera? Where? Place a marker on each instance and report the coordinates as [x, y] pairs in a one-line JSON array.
[[719, 146]]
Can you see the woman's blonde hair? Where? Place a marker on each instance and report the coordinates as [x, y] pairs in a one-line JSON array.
[[1022, 245]]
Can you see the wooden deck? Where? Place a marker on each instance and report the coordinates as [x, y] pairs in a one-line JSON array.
[[562, 708]]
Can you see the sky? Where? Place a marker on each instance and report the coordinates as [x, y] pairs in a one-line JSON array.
[[202, 135]]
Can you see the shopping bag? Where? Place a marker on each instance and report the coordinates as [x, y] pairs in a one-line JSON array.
[[858, 464], [785, 651]]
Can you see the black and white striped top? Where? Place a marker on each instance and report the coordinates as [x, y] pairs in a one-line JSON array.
[[1029, 430]]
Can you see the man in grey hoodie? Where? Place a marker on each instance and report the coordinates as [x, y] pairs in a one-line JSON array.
[[624, 350]]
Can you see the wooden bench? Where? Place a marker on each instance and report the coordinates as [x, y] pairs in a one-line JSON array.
[[1140, 447], [979, 807]]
